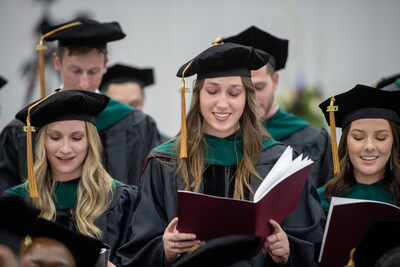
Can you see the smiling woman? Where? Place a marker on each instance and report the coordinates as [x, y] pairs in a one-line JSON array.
[[369, 146], [221, 150], [69, 184]]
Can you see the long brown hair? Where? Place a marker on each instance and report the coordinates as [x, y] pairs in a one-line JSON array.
[[194, 166], [341, 184], [94, 188]]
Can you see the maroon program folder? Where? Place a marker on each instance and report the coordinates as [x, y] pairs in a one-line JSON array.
[[348, 221], [210, 217]]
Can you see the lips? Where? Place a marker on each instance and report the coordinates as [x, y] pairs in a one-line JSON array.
[[369, 157], [65, 159], [221, 116]]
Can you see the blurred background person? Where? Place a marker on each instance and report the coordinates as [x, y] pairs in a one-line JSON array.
[[282, 126], [127, 84]]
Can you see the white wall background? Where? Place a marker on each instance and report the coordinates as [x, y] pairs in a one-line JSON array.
[[334, 44]]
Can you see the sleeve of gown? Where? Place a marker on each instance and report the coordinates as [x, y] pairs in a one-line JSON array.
[[156, 208], [305, 228], [326, 169], [119, 220], [148, 133], [12, 164]]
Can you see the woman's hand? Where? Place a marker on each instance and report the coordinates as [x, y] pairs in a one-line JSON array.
[[110, 264], [176, 243], [277, 244]]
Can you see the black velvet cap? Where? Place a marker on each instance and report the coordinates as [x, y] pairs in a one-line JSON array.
[[221, 251], [16, 221], [119, 73], [64, 105], [381, 242], [363, 102], [257, 38], [2, 82], [86, 250], [89, 33], [225, 60]]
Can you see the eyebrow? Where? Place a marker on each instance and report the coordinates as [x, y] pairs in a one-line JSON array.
[[231, 86], [76, 132], [379, 131]]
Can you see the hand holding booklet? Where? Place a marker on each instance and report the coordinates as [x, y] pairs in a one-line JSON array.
[[210, 217]]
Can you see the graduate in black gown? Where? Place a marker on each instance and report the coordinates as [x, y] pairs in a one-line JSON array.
[[282, 126], [127, 84], [227, 154], [127, 134], [68, 183]]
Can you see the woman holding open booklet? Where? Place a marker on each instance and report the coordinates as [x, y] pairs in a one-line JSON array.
[[223, 151], [369, 166], [367, 170]]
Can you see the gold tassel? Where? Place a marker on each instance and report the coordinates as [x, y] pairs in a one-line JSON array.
[[31, 175], [351, 262], [183, 90], [33, 192], [335, 156], [40, 47]]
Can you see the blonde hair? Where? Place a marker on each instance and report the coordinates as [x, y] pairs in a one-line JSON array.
[[253, 133], [94, 192]]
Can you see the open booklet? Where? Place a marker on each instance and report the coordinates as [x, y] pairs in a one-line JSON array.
[[210, 217], [348, 221]]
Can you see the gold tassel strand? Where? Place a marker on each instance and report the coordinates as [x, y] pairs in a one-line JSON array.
[[335, 156], [40, 47], [29, 129]]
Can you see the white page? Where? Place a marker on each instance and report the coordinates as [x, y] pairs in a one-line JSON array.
[[282, 169]]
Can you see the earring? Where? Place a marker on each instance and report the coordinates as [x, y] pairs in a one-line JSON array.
[[348, 165]]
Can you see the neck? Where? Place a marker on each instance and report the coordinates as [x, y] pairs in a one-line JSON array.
[[369, 179], [273, 110]]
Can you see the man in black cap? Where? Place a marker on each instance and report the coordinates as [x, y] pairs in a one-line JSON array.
[[286, 128], [126, 84], [127, 135], [39, 242], [50, 244]]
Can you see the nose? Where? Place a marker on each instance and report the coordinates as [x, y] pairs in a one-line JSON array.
[[369, 144], [222, 102], [65, 147], [84, 82]]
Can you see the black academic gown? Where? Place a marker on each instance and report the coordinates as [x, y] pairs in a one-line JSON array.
[[115, 223], [13, 157], [157, 206], [127, 143], [316, 144]]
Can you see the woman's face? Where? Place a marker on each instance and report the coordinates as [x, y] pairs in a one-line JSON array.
[[66, 146], [369, 144], [222, 102]]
